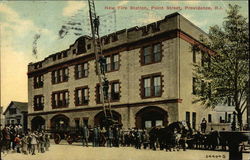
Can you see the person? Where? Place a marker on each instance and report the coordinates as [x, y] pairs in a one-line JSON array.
[[145, 138], [17, 141], [116, 133], [102, 61], [203, 125], [138, 139], [105, 88], [42, 142], [24, 144], [96, 24], [47, 142], [33, 142], [85, 136], [110, 137], [96, 132]]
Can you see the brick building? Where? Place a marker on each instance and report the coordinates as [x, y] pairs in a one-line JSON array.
[[150, 74]]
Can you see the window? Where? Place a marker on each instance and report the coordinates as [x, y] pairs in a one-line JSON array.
[[60, 99], [89, 46], [195, 85], [38, 81], [194, 56], [77, 122], [151, 54], [81, 70], [230, 101], [112, 63], [65, 54], [38, 102], [12, 111], [114, 91], [81, 96], [151, 86], [60, 75], [187, 117], [209, 118], [194, 120], [229, 118]]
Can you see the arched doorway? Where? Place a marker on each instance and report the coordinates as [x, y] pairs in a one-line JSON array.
[[151, 116], [99, 118], [59, 121], [37, 123]]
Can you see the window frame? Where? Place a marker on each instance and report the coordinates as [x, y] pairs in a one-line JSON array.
[[58, 97], [60, 75], [111, 93], [112, 63], [40, 105], [38, 81], [84, 73], [151, 53], [82, 97], [152, 86]]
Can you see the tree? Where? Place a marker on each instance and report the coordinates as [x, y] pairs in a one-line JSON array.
[[225, 72]]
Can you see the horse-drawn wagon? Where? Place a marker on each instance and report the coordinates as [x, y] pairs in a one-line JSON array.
[[70, 134]]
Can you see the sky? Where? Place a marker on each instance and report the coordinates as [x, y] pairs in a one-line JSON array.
[[29, 25]]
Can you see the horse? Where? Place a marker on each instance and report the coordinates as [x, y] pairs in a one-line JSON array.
[[170, 137]]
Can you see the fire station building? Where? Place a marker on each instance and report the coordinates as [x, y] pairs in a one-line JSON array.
[[150, 73]]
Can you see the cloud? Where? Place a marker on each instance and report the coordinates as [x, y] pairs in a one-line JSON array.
[[122, 3], [13, 24], [16, 44], [195, 21], [148, 18], [72, 8]]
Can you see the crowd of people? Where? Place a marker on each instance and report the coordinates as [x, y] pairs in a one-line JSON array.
[[14, 138]]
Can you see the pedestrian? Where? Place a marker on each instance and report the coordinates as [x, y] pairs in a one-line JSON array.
[[116, 133], [29, 139], [145, 139], [33, 142], [42, 142], [96, 136], [203, 125], [110, 137], [17, 141], [24, 144], [47, 142], [137, 139], [85, 137]]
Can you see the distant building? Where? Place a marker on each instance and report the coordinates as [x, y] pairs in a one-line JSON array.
[[16, 113], [222, 116]]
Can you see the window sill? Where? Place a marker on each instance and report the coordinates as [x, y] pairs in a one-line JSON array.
[[145, 64], [60, 82], [81, 77], [150, 97]]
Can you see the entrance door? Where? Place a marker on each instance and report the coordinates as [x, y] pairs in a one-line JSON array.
[[59, 122], [37, 123], [151, 116]]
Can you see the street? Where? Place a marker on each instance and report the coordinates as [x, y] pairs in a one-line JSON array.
[[75, 151]]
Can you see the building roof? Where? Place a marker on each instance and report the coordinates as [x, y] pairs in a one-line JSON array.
[[23, 106]]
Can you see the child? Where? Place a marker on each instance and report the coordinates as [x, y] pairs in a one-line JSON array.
[[24, 143], [17, 141]]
